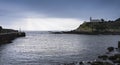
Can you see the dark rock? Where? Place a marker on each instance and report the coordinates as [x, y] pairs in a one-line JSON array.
[[104, 57], [116, 61], [112, 58], [81, 63], [117, 55], [110, 49], [69, 63], [119, 44], [115, 58], [101, 63], [89, 62]]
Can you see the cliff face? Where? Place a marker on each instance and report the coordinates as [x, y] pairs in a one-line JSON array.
[[105, 26]]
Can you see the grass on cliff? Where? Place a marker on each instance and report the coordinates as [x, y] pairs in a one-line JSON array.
[[111, 26]]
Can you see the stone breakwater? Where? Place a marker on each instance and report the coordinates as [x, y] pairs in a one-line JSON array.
[[8, 37]]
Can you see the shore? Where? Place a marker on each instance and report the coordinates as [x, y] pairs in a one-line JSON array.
[[8, 37], [87, 33], [111, 57]]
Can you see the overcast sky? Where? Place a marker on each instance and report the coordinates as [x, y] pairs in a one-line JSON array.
[[55, 14]]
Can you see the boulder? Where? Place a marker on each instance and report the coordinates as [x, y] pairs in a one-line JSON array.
[[103, 57], [110, 49], [101, 63]]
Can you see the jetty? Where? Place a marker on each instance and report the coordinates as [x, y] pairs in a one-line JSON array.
[[8, 35]]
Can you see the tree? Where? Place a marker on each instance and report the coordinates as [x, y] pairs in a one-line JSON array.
[[102, 20]]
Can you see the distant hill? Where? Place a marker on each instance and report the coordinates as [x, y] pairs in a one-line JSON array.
[[104, 26], [95, 27]]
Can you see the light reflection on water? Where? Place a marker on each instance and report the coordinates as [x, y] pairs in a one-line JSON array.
[[53, 49]]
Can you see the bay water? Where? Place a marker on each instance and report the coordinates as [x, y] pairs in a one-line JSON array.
[[44, 48]]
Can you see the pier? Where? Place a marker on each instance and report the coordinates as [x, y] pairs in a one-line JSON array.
[[8, 37]]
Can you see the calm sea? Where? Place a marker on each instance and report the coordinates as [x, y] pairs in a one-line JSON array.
[[43, 48]]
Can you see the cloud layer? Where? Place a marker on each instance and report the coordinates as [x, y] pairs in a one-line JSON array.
[[47, 24], [54, 14]]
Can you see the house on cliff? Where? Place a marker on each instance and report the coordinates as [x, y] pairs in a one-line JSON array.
[[96, 20]]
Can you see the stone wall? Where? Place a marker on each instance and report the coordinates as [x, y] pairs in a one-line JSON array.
[[8, 37]]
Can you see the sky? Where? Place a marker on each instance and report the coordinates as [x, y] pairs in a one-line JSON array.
[[50, 15]]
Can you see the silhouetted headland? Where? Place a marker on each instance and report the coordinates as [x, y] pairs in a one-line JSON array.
[[7, 35], [96, 26]]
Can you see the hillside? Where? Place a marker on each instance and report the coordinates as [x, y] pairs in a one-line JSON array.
[[104, 26]]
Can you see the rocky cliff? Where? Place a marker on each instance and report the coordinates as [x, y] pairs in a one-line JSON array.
[[104, 26]]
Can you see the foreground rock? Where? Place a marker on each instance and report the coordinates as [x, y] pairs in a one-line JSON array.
[[112, 57], [110, 49], [101, 63], [103, 57]]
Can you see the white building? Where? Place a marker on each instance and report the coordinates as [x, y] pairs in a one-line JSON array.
[[95, 20]]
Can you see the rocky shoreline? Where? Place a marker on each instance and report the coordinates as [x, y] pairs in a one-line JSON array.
[[111, 57], [87, 33], [8, 37], [96, 28]]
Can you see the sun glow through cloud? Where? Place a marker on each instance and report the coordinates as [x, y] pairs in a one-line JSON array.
[[47, 24]]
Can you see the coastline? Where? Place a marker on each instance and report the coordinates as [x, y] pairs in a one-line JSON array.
[[94, 27], [111, 57], [87, 33], [8, 37]]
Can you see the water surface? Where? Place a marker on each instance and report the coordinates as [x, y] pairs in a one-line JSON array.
[[39, 48]]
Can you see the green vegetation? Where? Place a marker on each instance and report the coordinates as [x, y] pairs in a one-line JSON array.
[[103, 26]]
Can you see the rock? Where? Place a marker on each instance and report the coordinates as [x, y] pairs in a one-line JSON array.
[[101, 63], [103, 57], [112, 58], [115, 58], [110, 49], [69, 63], [89, 62], [116, 61], [81, 63], [117, 55], [119, 44]]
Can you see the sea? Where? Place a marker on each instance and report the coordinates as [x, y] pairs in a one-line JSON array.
[[45, 48]]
